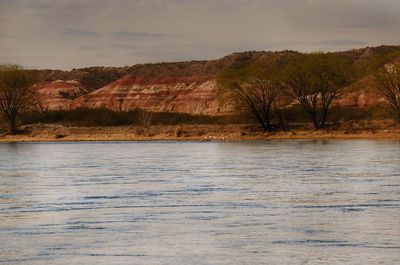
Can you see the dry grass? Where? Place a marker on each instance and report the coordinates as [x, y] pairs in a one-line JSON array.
[[351, 130]]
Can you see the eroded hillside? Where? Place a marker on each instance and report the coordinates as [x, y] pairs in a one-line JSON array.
[[189, 87]]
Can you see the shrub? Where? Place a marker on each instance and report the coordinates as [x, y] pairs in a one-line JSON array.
[[105, 117]]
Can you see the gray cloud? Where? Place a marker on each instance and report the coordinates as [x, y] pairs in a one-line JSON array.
[[136, 35], [80, 32], [101, 56], [138, 45], [88, 48], [122, 46], [6, 36], [40, 5], [343, 42], [362, 25], [72, 33]]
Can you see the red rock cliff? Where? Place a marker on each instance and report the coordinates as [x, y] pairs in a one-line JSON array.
[[188, 87]]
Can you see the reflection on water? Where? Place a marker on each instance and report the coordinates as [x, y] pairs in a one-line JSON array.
[[284, 202]]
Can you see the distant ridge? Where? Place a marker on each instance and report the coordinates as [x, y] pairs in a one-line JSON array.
[[188, 86]]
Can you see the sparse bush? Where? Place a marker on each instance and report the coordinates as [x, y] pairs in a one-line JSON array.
[[83, 117], [105, 117]]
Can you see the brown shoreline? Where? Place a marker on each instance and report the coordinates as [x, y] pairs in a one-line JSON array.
[[60, 133]]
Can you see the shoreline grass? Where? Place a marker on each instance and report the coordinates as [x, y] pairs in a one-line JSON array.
[[185, 132]]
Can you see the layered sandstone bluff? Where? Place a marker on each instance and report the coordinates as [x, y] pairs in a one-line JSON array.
[[187, 87], [128, 93], [173, 95], [59, 94]]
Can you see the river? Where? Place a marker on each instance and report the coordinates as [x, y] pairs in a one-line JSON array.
[[277, 202]]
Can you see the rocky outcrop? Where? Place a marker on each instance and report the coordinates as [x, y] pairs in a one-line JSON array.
[[361, 94], [58, 95], [187, 95]]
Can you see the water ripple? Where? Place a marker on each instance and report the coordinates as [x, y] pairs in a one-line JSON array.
[[282, 202]]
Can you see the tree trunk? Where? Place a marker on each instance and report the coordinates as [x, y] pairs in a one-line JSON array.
[[281, 121], [324, 116], [264, 126], [314, 118], [261, 122], [267, 122], [12, 122], [13, 128], [260, 119]]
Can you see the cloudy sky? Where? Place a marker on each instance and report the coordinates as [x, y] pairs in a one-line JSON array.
[[67, 34]]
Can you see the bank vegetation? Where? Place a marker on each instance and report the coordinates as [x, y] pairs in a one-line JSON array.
[[279, 94]]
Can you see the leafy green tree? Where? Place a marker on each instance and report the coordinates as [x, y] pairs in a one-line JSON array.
[[16, 94], [316, 80], [388, 83]]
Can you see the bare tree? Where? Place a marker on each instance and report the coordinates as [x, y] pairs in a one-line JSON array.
[[39, 104], [258, 97], [257, 90], [16, 94], [281, 102], [388, 83], [315, 81]]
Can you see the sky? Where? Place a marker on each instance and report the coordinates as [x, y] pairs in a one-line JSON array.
[[66, 34]]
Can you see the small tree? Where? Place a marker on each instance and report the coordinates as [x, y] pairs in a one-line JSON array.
[[16, 94], [315, 81], [388, 83], [256, 91]]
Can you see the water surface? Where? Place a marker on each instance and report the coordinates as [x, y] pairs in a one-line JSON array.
[[280, 202]]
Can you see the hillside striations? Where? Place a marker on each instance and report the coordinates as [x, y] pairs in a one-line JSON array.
[[189, 95], [188, 87]]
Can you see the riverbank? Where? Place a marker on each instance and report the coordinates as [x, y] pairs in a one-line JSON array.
[[62, 133]]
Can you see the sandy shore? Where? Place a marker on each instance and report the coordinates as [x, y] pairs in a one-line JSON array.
[[60, 133]]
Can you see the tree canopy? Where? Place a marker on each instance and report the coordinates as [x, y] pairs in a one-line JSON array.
[[315, 81], [388, 83], [16, 94], [255, 89]]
